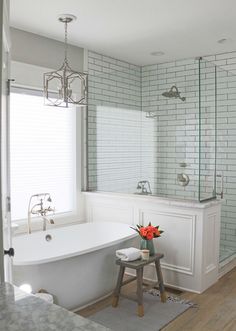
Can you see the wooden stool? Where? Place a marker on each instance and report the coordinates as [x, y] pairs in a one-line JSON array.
[[138, 265]]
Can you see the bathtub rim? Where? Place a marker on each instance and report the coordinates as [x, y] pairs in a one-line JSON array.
[[72, 254]]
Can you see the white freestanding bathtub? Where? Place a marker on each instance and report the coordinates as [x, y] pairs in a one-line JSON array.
[[77, 265]]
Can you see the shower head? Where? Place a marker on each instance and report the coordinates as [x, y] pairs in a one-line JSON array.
[[173, 93]]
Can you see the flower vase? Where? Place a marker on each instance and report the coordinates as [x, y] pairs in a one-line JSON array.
[[147, 244]]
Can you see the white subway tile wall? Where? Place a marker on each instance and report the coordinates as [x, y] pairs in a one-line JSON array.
[[121, 144], [126, 146], [177, 124]]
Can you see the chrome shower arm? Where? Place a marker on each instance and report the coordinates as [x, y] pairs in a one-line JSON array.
[[174, 88]]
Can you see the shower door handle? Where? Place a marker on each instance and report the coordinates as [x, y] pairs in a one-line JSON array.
[[221, 193]]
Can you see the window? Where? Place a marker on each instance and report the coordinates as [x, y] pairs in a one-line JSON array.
[[42, 152]]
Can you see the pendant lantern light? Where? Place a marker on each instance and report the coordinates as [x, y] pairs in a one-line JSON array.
[[65, 86]]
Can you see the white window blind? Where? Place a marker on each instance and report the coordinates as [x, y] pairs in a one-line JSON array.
[[42, 152]]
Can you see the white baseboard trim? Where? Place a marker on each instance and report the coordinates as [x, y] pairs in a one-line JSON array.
[[168, 285], [227, 265]]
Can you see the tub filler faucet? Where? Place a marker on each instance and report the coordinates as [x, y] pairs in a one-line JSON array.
[[41, 208], [143, 187]]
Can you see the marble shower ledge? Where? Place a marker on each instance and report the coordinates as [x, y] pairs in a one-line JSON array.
[[24, 312], [155, 199]]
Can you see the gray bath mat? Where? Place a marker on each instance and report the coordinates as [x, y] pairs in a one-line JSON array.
[[156, 314]]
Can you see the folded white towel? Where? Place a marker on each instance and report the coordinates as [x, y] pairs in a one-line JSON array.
[[128, 254]]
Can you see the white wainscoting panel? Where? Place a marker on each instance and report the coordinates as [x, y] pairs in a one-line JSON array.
[[178, 240], [211, 234], [104, 212]]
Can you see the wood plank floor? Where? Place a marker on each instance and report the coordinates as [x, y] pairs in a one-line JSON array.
[[216, 309]]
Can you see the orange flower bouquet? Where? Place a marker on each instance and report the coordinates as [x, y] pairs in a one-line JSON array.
[[147, 233]]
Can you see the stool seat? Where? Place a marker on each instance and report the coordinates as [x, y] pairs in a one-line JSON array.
[[138, 265]]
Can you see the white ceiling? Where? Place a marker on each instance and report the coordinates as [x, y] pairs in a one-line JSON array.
[[131, 29]]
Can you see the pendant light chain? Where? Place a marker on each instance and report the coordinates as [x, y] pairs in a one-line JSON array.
[[66, 42]]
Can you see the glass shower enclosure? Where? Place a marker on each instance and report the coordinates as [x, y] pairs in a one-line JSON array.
[[168, 130], [169, 151]]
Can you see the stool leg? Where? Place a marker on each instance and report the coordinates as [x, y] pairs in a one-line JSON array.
[[160, 281], [140, 292], [118, 287]]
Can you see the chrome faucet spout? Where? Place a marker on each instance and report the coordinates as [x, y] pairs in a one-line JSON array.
[[44, 222]]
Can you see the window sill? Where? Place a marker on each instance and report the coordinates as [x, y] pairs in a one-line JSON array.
[[21, 226]]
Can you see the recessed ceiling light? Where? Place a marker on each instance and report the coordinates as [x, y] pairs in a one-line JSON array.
[[158, 53], [224, 41]]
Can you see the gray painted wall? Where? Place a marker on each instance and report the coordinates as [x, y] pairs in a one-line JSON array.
[[48, 53]]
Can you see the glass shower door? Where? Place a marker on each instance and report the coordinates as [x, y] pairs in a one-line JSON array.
[[207, 130], [226, 159]]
